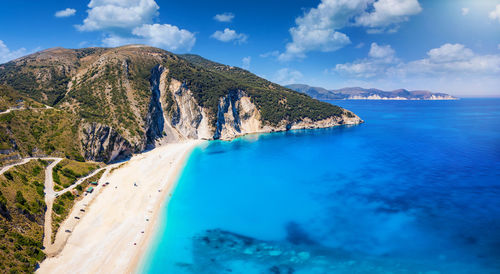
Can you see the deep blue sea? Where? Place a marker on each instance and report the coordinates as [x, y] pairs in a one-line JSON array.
[[415, 189]]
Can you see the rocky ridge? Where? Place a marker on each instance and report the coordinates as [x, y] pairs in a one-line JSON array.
[[127, 99]]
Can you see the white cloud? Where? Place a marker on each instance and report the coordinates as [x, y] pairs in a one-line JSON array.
[[224, 17], [388, 12], [452, 60], [130, 21], [274, 53], [318, 29], [7, 55], [166, 36], [495, 14], [118, 14], [360, 45], [448, 61], [377, 51], [465, 11], [229, 35], [65, 13], [450, 52], [246, 62], [286, 76], [381, 57]]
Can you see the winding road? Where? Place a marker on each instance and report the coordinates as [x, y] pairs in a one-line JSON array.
[[50, 195], [22, 108], [51, 249]]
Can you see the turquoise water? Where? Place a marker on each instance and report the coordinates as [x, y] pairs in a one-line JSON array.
[[415, 189]]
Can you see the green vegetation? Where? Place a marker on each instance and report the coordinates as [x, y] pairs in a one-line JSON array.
[[22, 210], [210, 81], [112, 87], [67, 172], [9, 98], [41, 78], [47, 131], [64, 203]]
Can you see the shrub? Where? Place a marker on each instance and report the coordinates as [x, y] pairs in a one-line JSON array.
[[8, 175]]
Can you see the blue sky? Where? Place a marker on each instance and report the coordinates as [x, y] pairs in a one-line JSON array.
[[445, 46]]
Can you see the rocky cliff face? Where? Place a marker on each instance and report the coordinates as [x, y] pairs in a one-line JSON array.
[[102, 143], [174, 115], [183, 118], [120, 101]]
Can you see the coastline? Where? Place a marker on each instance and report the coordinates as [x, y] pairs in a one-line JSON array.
[[121, 222], [146, 246]]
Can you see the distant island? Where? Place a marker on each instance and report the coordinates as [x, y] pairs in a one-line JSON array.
[[357, 93]]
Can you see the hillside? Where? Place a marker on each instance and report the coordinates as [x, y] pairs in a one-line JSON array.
[[22, 209], [357, 93], [111, 102]]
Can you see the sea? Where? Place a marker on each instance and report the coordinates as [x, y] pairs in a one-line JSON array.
[[414, 189]]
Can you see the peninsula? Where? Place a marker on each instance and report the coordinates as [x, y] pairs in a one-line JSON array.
[[88, 116], [357, 93]]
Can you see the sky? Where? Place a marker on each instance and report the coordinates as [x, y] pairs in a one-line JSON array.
[[450, 46]]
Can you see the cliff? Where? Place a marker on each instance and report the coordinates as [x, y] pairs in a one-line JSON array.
[[357, 93], [119, 101]]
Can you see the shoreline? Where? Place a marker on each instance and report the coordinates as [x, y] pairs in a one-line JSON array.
[[146, 245], [119, 226]]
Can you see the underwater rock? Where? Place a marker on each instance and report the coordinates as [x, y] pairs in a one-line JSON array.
[[304, 255], [219, 251]]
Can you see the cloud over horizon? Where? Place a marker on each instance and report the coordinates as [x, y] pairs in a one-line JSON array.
[[7, 55], [450, 63], [286, 76]]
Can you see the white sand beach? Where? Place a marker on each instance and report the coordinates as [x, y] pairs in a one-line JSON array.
[[114, 230]]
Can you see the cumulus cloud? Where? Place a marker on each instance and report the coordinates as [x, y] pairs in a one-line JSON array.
[[377, 51], [65, 13], [166, 36], [246, 62], [452, 59], [381, 57], [495, 14], [286, 76], [450, 52], [388, 12], [130, 21], [319, 28], [465, 11], [229, 35], [224, 17], [118, 14], [7, 55], [448, 61]]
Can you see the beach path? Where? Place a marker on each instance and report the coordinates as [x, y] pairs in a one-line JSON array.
[[118, 220]]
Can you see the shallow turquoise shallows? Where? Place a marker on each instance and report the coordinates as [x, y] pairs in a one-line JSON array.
[[416, 188]]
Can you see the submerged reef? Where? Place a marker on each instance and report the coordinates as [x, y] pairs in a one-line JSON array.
[[220, 251]]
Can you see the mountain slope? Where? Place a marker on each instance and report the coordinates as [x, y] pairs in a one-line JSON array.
[[117, 101], [353, 93]]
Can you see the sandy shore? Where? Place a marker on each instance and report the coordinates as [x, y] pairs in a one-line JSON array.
[[114, 230]]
